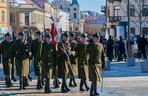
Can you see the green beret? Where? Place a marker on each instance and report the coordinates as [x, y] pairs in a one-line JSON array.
[[84, 35], [65, 34], [7, 34], [47, 35], [38, 33], [22, 34], [96, 35], [72, 34]]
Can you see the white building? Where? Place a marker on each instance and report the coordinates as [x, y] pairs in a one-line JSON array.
[[116, 12]]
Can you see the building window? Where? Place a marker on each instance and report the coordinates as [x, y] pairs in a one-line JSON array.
[[145, 10], [132, 10], [145, 31], [61, 7], [75, 9], [116, 10], [133, 30], [27, 19], [12, 18], [75, 15], [3, 16]]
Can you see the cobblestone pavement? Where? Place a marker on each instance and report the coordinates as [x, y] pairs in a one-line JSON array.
[[122, 80]]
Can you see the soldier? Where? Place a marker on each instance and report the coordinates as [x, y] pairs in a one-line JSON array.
[[48, 59], [6, 59], [21, 49], [63, 61], [82, 57], [96, 62], [36, 49], [72, 82]]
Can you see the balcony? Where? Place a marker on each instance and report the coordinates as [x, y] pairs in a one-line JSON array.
[[114, 18], [103, 9], [112, 1]]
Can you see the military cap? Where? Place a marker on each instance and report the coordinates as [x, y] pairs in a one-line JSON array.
[[47, 35], [65, 34], [96, 35], [22, 34], [7, 34], [84, 35], [38, 33], [72, 34]]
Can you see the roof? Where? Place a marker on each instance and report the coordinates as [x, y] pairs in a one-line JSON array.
[[99, 20], [74, 2]]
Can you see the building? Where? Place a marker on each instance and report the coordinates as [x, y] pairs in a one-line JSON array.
[[95, 25], [4, 18], [116, 12]]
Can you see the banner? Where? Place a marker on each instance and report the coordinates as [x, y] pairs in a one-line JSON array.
[[39, 3]]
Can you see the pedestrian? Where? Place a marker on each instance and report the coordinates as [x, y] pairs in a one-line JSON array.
[[63, 61], [36, 49], [6, 58], [110, 46], [82, 62], [122, 51], [48, 60], [96, 63], [142, 46], [73, 43]]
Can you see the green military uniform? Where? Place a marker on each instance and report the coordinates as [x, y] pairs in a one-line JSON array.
[[96, 63], [48, 61], [6, 58], [36, 49]]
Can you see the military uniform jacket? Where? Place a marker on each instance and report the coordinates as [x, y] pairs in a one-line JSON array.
[[96, 60], [48, 58], [82, 60]]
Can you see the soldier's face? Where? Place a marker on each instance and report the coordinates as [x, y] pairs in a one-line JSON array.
[[8, 38], [84, 40], [96, 39], [48, 39], [66, 39]]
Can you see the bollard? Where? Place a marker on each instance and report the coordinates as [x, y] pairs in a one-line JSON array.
[[144, 66], [131, 61], [108, 66]]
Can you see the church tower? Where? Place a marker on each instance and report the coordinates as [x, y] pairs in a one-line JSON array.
[[75, 15]]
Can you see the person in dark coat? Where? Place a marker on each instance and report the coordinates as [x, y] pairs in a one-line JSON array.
[[122, 51], [96, 62], [73, 43], [63, 61], [6, 58], [82, 61], [48, 60], [110, 46], [142, 46], [36, 49]]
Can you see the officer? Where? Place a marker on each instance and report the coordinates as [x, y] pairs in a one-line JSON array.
[[63, 60], [36, 49], [21, 49], [4, 48], [73, 44], [96, 62], [48, 60], [82, 61]]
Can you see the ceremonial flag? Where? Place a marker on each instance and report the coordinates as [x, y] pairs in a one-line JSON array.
[[39, 3]]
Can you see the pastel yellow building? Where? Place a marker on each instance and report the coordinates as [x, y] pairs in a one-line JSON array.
[[4, 21]]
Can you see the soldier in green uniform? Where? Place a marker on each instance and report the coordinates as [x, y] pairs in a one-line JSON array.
[[73, 44], [6, 58], [82, 61], [96, 62], [21, 49], [63, 61], [48, 60], [36, 49]]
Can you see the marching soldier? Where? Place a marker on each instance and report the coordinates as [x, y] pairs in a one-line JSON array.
[[6, 59], [73, 44], [63, 61], [96, 62], [21, 49], [48, 60], [36, 49], [82, 57]]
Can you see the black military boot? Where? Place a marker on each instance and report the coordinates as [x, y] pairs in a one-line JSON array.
[[86, 86], [39, 84], [70, 83], [30, 78], [56, 83], [47, 87], [25, 82], [8, 82], [13, 78], [92, 90], [81, 86], [21, 84]]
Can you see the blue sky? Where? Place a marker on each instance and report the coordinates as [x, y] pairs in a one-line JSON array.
[[93, 5]]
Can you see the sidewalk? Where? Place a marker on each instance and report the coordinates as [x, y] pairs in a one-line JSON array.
[[122, 80]]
